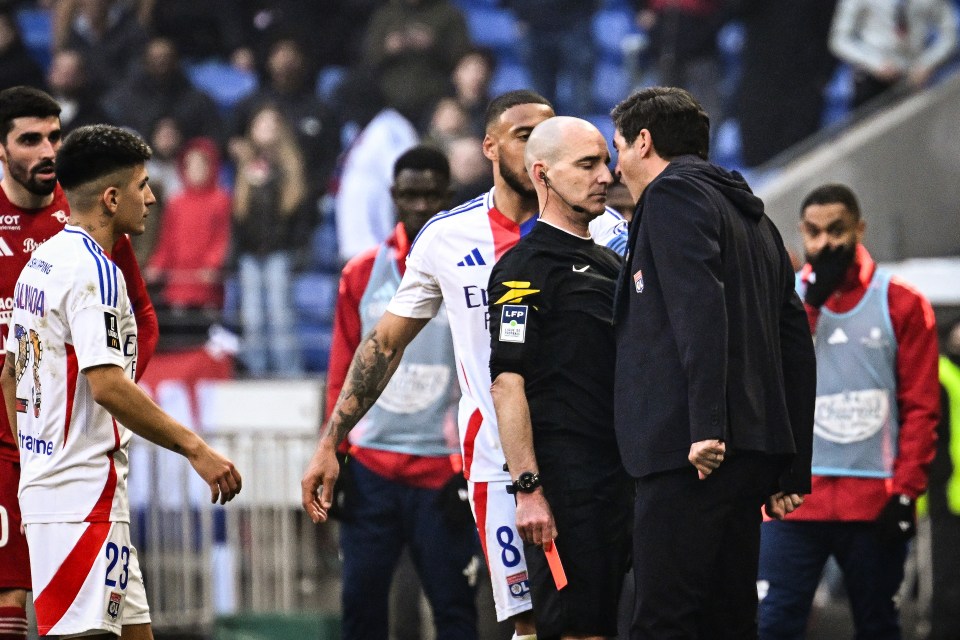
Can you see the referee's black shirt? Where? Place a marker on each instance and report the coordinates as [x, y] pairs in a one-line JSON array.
[[551, 312]]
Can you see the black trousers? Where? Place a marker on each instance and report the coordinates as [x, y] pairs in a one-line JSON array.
[[696, 550]]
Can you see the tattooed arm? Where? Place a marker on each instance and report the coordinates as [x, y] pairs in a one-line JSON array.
[[373, 365]]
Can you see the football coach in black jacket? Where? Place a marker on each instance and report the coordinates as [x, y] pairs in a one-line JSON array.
[[716, 376]]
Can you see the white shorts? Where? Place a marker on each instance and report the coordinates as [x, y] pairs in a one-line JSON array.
[[495, 511], [86, 578]]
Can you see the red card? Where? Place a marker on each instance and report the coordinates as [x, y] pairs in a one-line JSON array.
[[556, 567]]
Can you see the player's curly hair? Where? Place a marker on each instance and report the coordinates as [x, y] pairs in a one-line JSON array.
[[92, 152]]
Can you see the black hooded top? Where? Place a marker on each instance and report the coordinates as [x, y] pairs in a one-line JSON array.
[[712, 340]]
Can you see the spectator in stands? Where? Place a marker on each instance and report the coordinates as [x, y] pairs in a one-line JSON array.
[[469, 168], [683, 47], [195, 234], [166, 139], [415, 45], [69, 86], [891, 42], [269, 229], [17, 66], [107, 32], [363, 207], [448, 122], [161, 89], [558, 36], [786, 66], [199, 29], [400, 455], [329, 31], [289, 87], [471, 82]]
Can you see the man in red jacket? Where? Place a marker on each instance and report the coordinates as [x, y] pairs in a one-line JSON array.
[[878, 403], [32, 209]]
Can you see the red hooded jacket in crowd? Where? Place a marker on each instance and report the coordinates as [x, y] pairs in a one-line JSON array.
[[194, 236]]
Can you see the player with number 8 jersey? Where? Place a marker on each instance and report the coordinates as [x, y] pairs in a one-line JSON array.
[[450, 264]]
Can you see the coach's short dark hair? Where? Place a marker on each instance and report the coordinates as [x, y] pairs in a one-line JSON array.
[[833, 194], [24, 102], [97, 150], [677, 123], [423, 158], [511, 99]]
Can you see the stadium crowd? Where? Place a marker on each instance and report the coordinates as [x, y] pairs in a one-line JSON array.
[[355, 83]]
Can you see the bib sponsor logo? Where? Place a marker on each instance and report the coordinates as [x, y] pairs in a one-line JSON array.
[[113, 331], [853, 416], [513, 323], [875, 340], [10, 222], [415, 387]]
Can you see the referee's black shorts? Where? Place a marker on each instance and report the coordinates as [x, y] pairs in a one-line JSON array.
[[594, 517]]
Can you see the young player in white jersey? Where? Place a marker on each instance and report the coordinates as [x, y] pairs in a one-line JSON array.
[[450, 262], [68, 385]]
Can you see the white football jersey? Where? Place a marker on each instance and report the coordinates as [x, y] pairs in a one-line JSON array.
[[450, 261], [71, 312]]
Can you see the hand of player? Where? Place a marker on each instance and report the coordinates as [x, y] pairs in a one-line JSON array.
[[217, 471], [780, 504], [706, 456], [534, 518], [321, 474]]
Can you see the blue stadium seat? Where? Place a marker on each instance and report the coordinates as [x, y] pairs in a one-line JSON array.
[[509, 76], [314, 297], [727, 150], [838, 96], [610, 27], [468, 5], [493, 27], [324, 254], [610, 85], [329, 80], [227, 85], [231, 302], [36, 30], [315, 340]]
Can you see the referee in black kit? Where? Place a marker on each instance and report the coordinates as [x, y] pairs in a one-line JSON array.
[[552, 366]]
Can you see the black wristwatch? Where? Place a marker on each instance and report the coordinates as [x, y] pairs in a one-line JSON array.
[[526, 483]]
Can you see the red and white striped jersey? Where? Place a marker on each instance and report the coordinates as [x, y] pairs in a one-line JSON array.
[[450, 262], [71, 311]]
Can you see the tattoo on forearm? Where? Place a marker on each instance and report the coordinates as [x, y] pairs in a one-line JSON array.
[[369, 373]]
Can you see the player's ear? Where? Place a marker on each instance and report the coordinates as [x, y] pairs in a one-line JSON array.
[[490, 149], [110, 199]]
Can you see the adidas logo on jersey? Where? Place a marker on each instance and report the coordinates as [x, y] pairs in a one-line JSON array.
[[838, 337], [472, 259], [5, 249]]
